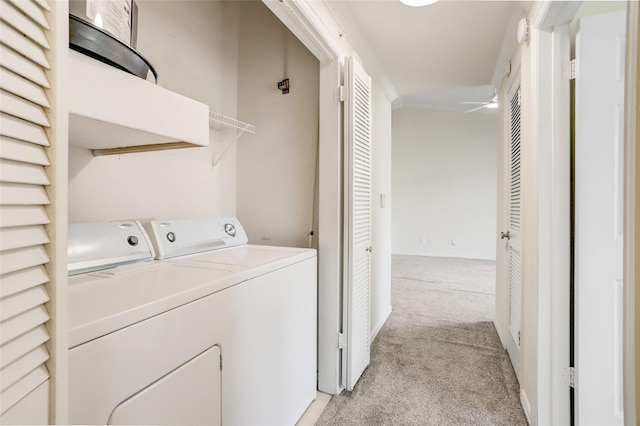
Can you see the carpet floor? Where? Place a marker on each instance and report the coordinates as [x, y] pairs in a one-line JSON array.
[[438, 359]]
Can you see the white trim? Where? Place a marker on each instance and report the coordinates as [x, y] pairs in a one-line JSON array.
[[526, 405], [503, 342], [630, 176], [553, 13], [378, 327], [301, 19], [545, 354], [552, 130], [58, 192], [330, 231]]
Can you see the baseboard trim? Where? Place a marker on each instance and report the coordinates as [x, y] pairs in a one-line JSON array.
[[526, 406], [500, 334], [378, 327]]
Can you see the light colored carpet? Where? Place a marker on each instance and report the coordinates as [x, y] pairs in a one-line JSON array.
[[438, 359]]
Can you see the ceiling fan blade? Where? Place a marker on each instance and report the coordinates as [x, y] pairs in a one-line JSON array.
[[477, 109]]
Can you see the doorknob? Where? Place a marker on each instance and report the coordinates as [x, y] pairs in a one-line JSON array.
[[503, 235], [369, 249]]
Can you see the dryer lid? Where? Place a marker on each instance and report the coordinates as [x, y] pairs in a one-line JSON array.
[[173, 238], [100, 245]]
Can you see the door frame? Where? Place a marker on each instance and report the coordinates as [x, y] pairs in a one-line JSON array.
[[546, 217], [631, 296], [546, 270]]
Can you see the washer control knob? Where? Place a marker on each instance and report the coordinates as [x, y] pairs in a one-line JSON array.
[[132, 240], [171, 237], [230, 229]]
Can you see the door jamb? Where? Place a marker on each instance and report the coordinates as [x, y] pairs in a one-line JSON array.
[[549, 222], [549, 39], [631, 296]]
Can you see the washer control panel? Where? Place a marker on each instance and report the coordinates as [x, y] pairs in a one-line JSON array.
[[173, 238]]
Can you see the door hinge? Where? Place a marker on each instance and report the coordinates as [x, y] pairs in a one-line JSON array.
[[569, 70], [342, 341], [339, 94], [220, 362], [570, 377], [519, 338]]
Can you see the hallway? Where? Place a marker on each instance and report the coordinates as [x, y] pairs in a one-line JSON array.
[[438, 359]]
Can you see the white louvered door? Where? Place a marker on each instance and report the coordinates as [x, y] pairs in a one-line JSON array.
[[357, 219], [515, 226], [24, 107]]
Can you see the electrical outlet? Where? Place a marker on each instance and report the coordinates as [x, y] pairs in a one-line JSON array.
[[423, 241]]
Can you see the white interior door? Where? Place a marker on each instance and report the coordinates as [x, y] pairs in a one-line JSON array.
[[357, 220], [599, 218], [514, 233]]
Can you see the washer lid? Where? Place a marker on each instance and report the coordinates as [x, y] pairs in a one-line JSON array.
[[173, 238], [101, 245]]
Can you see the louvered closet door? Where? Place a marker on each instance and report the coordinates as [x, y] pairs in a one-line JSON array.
[[357, 219], [515, 227], [23, 119]]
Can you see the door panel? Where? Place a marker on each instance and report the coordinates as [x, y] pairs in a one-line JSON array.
[[599, 206], [25, 116], [357, 220], [191, 394], [514, 238]]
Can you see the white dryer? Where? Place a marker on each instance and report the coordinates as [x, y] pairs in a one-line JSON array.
[[129, 359], [269, 363]]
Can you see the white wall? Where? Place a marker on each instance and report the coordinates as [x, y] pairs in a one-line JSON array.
[[192, 45], [444, 183], [276, 167], [381, 211]]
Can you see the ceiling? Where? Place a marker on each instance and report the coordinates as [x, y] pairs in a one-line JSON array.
[[433, 56]]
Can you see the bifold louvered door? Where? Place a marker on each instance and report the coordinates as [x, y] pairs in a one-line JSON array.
[[24, 32], [357, 219], [515, 226]]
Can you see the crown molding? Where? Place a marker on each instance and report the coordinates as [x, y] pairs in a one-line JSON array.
[[304, 23]]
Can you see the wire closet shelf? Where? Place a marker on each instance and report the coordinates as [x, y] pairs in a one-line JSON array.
[[222, 122]]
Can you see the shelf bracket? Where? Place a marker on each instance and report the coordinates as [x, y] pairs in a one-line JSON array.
[[222, 122]]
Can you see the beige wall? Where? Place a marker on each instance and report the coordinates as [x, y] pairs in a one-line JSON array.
[[381, 211], [444, 183], [191, 45], [276, 167]]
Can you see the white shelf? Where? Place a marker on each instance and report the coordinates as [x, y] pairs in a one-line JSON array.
[[222, 122], [112, 111]]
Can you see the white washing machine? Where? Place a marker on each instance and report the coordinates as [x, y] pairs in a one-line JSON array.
[[269, 369], [195, 339]]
